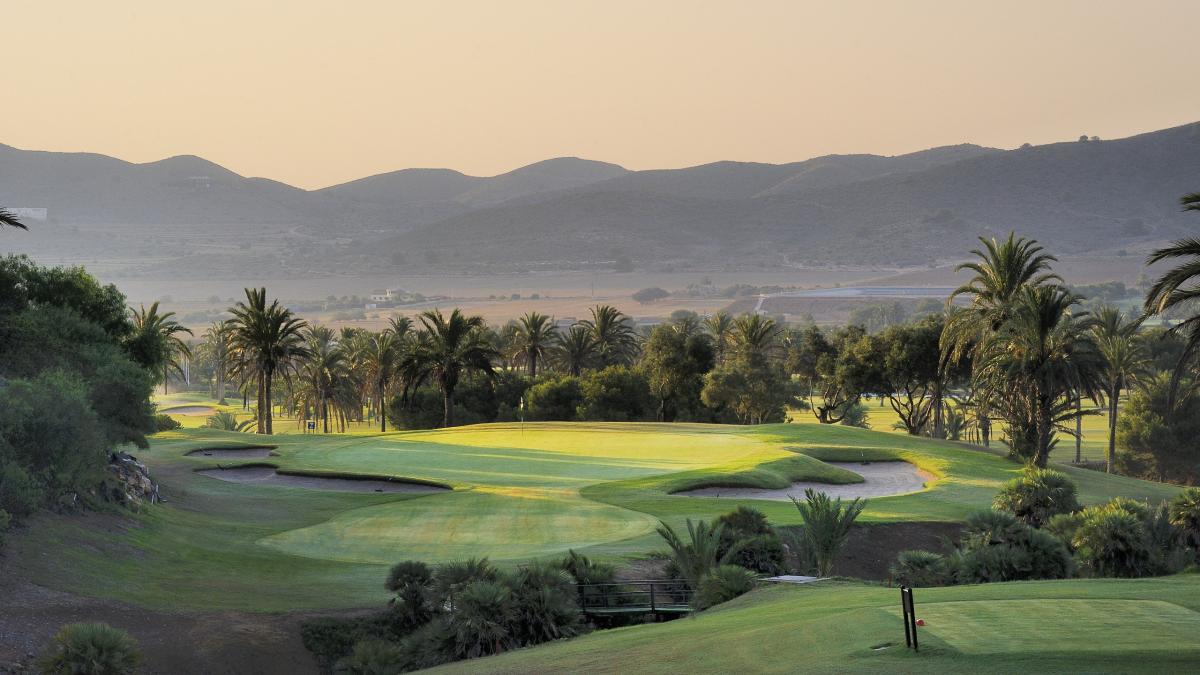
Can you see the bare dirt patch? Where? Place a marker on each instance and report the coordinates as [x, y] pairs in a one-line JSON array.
[[265, 475], [880, 479], [248, 452]]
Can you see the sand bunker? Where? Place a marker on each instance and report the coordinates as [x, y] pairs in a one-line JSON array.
[[190, 410], [265, 475], [880, 479], [248, 452]]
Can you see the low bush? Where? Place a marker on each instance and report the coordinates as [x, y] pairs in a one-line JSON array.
[[758, 545], [91, 649], [1185, 515], [373, 657], [921, 569], [20, 494], [996, 546], [554, 399], [1111, 542], [414, 604], [544, 605], [1037, 495], [330, 639], [165, 423], [722, 584], [5, 523]]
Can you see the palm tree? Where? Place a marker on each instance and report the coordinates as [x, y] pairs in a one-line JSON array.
[[534, 337], [326, 372], [267, 340], [1179, 287], [7, 219], [218, 346], [720, 327], [400, 326], [613, 334], [1002, 270], [1035, 364], [446, 348], [754, 337], [380, 361], [575, 349], [164, 331], [1122, 360]]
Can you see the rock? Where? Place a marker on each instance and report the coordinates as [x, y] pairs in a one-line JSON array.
[[134, 483]]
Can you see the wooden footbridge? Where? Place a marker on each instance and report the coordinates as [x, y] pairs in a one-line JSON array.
[[659, 596]]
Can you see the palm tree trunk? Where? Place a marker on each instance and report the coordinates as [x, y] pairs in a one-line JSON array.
[[447, 407], [1044, 424], [221, 384], [532, 365], [1112, 429], [1079, 429], [267, 404], [262, 426]]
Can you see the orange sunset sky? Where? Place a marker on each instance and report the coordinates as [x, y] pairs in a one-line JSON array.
[[316, 93]]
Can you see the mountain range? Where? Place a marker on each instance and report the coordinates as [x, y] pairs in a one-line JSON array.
[[1077, 196]]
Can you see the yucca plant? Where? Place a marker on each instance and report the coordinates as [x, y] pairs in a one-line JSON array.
[[827, 523]]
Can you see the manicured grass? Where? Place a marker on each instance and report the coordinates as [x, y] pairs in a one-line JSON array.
[[1147, 625], [522, 491]]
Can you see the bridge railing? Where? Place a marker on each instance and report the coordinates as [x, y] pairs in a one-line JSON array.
[[650, 595]]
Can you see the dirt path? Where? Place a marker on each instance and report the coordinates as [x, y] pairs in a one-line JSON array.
[[880, 479]]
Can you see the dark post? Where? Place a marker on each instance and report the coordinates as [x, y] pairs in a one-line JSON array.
[[910, 618], [652, 606]]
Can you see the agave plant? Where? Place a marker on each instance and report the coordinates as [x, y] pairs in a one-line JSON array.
[[227, 421]]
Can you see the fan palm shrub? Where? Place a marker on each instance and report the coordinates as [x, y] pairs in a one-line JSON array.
[[699, 553], [91, 649], [827, 523], [1037, 495]]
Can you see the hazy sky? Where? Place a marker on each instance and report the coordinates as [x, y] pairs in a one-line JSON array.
[[316, 93]]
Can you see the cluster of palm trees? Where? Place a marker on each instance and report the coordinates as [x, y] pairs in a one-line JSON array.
[[1036, 356]]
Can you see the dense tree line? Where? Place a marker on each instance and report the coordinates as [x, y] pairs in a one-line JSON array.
[[76, 372]]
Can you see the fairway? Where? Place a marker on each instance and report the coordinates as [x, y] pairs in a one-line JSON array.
[[520, 492]]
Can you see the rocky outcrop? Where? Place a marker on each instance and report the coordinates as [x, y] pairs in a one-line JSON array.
[[132, 482]]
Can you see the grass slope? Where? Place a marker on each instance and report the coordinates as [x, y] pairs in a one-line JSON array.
[[1146, 625], [520, 492]]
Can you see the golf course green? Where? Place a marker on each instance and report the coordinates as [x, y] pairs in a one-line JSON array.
[[520, 492]]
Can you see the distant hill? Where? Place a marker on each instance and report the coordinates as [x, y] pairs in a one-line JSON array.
[[914, 209], [910, 209]]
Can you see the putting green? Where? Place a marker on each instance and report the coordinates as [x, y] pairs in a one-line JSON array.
[[503, 524]]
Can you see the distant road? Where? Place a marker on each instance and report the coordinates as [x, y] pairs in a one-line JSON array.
[[905, 292]]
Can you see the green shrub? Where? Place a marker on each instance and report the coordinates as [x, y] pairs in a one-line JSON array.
[[165, 423], [1063, 526], [331, 639], [430, 645], [481, 620], [1185, 515], [997, 547], [759, 546], [827, 523], [586, 571], [722, 584], [1139, 509], [5, 523], [544, 605], [921, 569], [91, 649], [554, 398], [414, 604], [1038, 495], [697, 555], [449, 578], [615, 394], [1168, 552], [373, 657], [798, 553], [1111, 542], [20, 495]]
